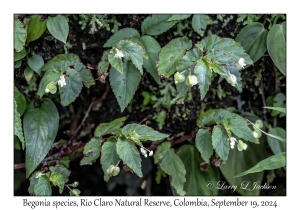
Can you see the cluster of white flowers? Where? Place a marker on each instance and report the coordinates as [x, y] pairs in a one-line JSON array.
[[62, 81], [113, 170], [240, 144], [119, 53], [51, 87], [144, 152]]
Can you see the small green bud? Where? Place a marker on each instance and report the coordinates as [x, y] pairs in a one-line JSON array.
[[259, 123], [242, 146], [256, 133], [191, 80], [113, 170], [178, 77], [232, 79], [51, 87]]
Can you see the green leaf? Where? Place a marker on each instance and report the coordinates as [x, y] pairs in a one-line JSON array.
[[103, 64], [61, 170], [40, 127], [106, 128], [189, 59], [18, 125], [36, 63], [91, 151], [275, 145], [220, 143], [171, 54], [87, 77], [58, 27], [57, 180], [124, 85], [36, 28], [49, 77], [181, 87], [129, 154], [204, 76], [109, 155], [19, 35], [116, 62], [276, 44], [204, 144], [197, 180], [172, 165], [43, 187], [178, 17], [74, 192], [65, 161], [157, 24], [239, 161], [253, 39], [33, 181], [21, 101], [124, 33], [270, 163], [238, 125], [28, 74], [72, 89], [280, 109], [199, 23], [144, 132], [19, 55], [152, 49], [133, 52]]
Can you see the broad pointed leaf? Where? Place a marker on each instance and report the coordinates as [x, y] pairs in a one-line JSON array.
[[196, 180], [172, 165], [21, 101], [204, 144], [58, 27], [115, 61], [275, 145], [124, 85], [189, 59], [276, 44], [133, 52], [204, 76], [19, 35], [43, 187], [103, 64], [19, 55], [129, 154], [18, 131], [91, 151], [171, 54], [124, 33], [28, 74], [87, 77], [144, 132], [253, 39], [36, 63], [220, 143], [199, 23], [270, 163], [36, 28], [109, 155], [40, 127], [106, 128], [178, 17], [157, 24]]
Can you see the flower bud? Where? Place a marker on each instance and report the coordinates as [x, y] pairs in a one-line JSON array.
[[242, 146], [256, 133], [259, 123], [232, 79], [242, 62], [113, 170], [191, 80], [178, 77], [51, 87], [150, 153]]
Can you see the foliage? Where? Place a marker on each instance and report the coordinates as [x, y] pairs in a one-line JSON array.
[[159, 100]]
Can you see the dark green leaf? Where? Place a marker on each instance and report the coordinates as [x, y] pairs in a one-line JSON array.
[[204, 144], [87, 77], [220, 143], [106, 128], [43, 187], [61, 170], [157, 24], [103, 64], [124, 85], [36, 28], [58, 27], [133, 52], [19, 35], [65, 161], [57, 180], [124, 33], [144, 132], [21, 101], [36, 63], [270, 163], [129, 154], [178, 17], [72, 89], [40, 128], [275, 145], [152, 49], [276, 44], [109, 155], [197, 180], [91, 151], [189, 59], [204, 76], [199, 23], [171, 54], [19, 55], [206, 118], [18, 125], [172, 165], [253, 39]]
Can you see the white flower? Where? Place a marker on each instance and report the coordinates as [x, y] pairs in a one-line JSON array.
[[191, 80], [232, 142], [47, 90], [242, 62], [242, 146], [62, 81], [119, 53], [232, 79], [151, 153], [178, 77]]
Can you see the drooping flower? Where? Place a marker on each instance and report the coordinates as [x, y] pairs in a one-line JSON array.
[[232, 142], [62, 81], [178, 77], [232, 79], [150, 153], [144, 152], [242, 62], [242, 146], [191, 80]]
